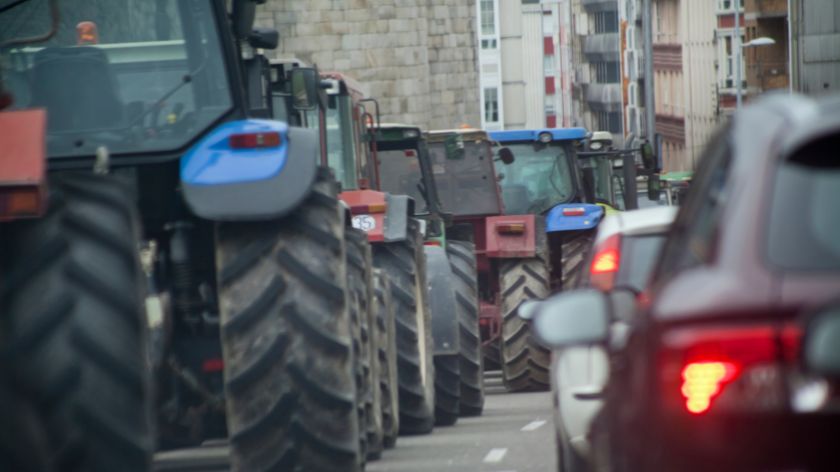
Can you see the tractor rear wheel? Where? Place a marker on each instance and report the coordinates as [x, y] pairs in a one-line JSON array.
[[73, 329], [462, 259], [525, 363], [386, 346], [359, 283], [404, 264], [287, 341], [573, 256]]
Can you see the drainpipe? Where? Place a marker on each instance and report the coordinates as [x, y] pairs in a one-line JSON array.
[[650, 102]]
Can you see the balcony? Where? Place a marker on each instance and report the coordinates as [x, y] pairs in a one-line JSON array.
[[605, 97], [766, 8], [601, 47], [599, 5], [766, 76]]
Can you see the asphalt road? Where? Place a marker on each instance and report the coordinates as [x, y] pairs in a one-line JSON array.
[[515, 434]]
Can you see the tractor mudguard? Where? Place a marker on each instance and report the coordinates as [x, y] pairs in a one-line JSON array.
[[573, 217], [441, 301], [384, 217], [223, 183]]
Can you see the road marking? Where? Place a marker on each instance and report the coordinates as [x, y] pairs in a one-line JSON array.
[[533, 425], [495, 455]]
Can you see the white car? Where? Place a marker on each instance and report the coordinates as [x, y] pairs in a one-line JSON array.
[[623, 255]]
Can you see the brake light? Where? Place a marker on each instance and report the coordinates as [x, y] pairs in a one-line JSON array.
[[576, 211], [725, 368], [255, 140], [432, 243], [702, 381], [21, 202], [368, 209], [510, 228], [213, 365], [605, 263]]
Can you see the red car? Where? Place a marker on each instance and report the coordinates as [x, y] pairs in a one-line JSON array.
[[711, 375]]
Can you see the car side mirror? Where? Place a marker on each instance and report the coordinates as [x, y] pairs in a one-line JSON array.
[[574, 318], [305, 88], [506, 156], [654, 187], [821, 344], [264, 38]]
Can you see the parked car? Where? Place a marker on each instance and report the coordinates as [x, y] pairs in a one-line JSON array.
[[711, 373], [623, 254]]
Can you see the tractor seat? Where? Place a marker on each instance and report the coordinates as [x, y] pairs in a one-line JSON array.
[[77, 87]]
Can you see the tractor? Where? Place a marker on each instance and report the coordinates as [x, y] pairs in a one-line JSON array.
[[556, 185], [157, 228]]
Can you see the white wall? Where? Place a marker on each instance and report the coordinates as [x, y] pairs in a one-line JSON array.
[[699, 55]]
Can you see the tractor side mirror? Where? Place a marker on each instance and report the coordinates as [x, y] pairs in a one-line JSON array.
[[242, 17], [264, 38], [305, 88], [648, 156], [654, 187], [506, 156]]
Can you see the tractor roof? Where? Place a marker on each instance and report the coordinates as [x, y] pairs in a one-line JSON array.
[[352, 86], [469, 134], [397, 132], [557, 134]]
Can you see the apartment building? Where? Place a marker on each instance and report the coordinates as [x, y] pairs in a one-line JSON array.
[[767, 67], [520, 55]]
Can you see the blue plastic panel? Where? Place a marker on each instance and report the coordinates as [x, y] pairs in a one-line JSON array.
[[557, 221], [558, 134], [211, 161]]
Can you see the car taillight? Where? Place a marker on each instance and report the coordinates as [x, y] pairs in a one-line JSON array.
[[255, 140], [605, 263], [725, 369]]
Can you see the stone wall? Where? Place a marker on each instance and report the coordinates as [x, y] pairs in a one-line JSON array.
[[417, 57]]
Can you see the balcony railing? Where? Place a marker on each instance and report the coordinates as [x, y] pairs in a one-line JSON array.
[[603, 47], [608, 96], [768, 75]]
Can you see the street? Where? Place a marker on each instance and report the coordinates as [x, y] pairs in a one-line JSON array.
[[514, 434]]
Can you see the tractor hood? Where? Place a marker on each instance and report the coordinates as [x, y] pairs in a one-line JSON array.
[[573, 217]]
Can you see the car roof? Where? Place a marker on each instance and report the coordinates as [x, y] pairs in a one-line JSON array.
[[646, 221]]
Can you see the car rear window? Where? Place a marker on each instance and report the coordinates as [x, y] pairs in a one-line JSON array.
[[638, 256], [804, 229]]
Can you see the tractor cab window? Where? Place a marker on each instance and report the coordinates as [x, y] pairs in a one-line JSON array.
[[400, 174], [127, 75], [341, 145], [465, 181], [539, 178], [609, 186]]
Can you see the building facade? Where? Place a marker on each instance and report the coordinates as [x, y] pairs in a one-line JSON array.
[[416, 57], [767, 67]]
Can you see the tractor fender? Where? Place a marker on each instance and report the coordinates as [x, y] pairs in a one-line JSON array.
[[585, 216], [512, 236], [225, 184], [399, 208], [441, 300]]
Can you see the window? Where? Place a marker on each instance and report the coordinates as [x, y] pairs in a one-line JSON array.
[[607, 72], [609, 121], [549, 68], [729, 5], [488, 44], [606, 22], [549, 105], [488, 18], [726, 60], [491, 105]]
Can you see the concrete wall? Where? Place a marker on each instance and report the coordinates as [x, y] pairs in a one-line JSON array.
[[417, 57]]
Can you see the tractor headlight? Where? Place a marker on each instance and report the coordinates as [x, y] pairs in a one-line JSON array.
[[544, 137]]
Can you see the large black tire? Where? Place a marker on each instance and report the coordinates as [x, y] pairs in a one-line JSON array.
[[404, 264], [74, 329], [525, 363], [360, 283], [23, 441], [286, 339], [447, 389], [462, 259], [386, 346], [573, 257]]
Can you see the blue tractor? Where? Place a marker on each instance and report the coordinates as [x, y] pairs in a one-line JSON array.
[[166, 250], [554, 191]]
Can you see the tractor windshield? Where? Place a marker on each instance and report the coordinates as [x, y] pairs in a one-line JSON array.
[[539, 178], [465, 181], [128, 75], [400, 174]]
